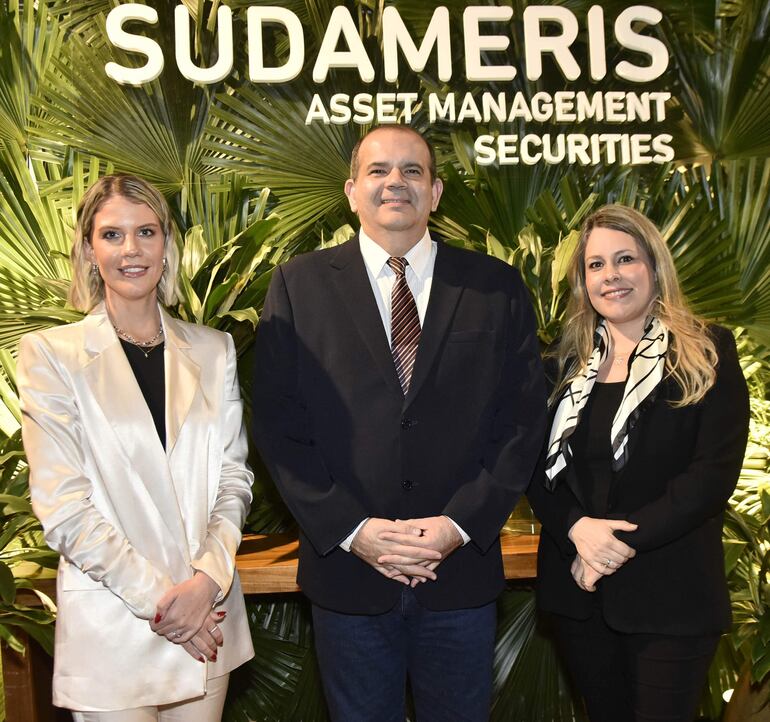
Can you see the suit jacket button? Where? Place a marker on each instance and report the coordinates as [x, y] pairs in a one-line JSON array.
[[406, 423], [407, 484]]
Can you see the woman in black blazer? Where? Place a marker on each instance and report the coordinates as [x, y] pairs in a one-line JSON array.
[[649, 420]]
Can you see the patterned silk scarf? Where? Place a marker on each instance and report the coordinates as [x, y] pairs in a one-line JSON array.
[[646, 367]]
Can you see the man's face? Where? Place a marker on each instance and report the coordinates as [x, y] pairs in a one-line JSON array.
[[393, 193]]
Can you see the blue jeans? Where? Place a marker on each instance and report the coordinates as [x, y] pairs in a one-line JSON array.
[[447, 655]]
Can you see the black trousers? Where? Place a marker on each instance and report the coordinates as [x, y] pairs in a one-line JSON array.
[[633, 677]]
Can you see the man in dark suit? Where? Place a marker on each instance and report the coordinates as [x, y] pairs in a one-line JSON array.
[[399, 405]]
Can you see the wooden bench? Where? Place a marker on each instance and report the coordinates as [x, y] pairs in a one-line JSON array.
[[267, 564]]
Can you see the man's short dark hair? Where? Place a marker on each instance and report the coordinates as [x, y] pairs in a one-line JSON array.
[[395, 126]]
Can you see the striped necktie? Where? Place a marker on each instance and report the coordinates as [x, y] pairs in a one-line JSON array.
[[404, 324]]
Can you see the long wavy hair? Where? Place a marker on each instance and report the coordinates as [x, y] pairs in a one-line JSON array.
[[87, 288], [692, 357]]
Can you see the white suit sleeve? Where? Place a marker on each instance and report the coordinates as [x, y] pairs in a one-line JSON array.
[[223, 536], [61, 491]]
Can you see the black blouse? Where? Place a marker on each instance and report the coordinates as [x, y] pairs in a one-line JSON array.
[[149, 371], [591, 448]]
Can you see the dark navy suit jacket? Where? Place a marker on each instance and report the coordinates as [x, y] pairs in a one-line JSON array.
[[343, 443]]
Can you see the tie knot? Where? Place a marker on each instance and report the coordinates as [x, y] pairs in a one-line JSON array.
[[398, 265]]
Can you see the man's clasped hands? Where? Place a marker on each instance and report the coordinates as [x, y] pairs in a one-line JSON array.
[[406, 551], [599, 551]]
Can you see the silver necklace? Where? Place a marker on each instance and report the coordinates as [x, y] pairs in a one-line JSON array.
[[144, 346]]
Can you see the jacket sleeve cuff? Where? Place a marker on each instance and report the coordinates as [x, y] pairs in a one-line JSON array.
[[217, 558]]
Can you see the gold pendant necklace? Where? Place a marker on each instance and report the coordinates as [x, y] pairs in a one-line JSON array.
[[144, 346]]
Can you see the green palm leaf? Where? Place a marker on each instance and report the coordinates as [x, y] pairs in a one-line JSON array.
[[262, 131], [31, 41], [281, 682], [724, 78], [78, 16], [37, 215], [529, 681], [490, 200], [743, 189], [154, 130]]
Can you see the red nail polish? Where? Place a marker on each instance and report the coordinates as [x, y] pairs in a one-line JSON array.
[[214, 658], [157, 618], [221, 615], [200, 659]]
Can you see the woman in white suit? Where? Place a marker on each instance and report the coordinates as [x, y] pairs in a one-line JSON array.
[[132, 424]]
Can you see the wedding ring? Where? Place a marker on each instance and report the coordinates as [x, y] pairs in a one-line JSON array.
[[607, 563], [212, 629], [177, 634]]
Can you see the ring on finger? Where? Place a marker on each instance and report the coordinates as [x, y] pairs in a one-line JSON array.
[[177, 634], [213, 629]]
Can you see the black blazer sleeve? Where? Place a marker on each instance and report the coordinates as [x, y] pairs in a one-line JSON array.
[[556, 510], [281, 429], [703, 489], [482, 504]]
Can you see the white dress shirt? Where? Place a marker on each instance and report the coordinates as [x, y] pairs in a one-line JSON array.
[[421, 260]]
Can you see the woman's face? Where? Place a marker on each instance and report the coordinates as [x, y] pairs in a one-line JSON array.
[[619, 278], [127, 243]]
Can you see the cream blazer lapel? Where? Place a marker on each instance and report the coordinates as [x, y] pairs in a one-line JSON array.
[[114, 388]]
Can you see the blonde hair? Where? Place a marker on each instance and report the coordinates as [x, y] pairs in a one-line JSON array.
[[692, 357], [87, 288]]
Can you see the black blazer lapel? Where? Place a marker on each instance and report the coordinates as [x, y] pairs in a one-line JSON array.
[[445, 292], [352, 282]]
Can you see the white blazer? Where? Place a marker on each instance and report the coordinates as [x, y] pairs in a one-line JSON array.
[[130, 518]]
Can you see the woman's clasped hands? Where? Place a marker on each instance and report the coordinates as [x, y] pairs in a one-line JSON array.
[[600, 552], [184, 616]]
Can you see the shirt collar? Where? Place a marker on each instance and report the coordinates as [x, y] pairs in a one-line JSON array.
[[376, 257]]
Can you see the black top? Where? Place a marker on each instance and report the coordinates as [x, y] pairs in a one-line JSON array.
[[590, 445], [149, 373]]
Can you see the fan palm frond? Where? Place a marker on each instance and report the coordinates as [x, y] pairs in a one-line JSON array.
[[261, 131], [529, 680], [742, 189], [724, 79], [32, 41], [154, 130], [37, 218], [280, 682]]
